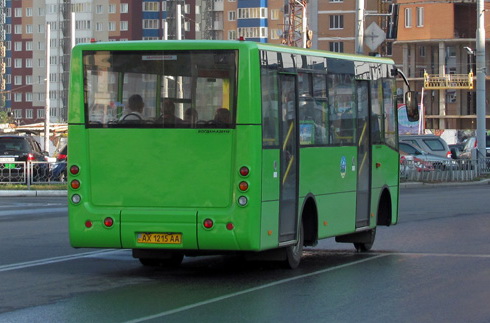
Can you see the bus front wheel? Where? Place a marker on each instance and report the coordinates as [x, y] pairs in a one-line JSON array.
[[294, 252]]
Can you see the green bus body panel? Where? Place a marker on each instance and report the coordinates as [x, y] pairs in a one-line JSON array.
[[98, 236], [332, 184], [160, 167], [270, 198], [384, 177]]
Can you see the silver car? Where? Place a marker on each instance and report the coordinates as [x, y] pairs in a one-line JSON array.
[[415, 158]]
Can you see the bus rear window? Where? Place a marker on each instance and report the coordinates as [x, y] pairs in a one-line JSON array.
[[160, 89]]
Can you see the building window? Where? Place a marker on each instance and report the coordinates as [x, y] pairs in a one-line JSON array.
[[18, 113], [112, 26], [336, 47], [29, 45], [18, 46], [420, 16], [112, 8], [124, 7], [232, 15], [99, 26], [29, 29], [28, 12], [248, 13], [18, 12], [276, 33], [275, 14], [99, 9], [408, 17], [151, 6], [29, 113], [18, 63], [336, 22], [232, 35], [422, 51], [17, 80], [18, 29], [18, 97], [123, 25], [28, 96], [40, 113], [150, 24], [29, 79]]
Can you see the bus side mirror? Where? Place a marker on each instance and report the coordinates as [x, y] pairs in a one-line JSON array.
[[412, 106]]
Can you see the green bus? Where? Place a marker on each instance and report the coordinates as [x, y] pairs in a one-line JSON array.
[[186, 148]]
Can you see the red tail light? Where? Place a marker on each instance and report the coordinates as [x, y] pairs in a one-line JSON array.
[[30, 157], [449, 155], [61, 157], [244, 171], [74, 170]]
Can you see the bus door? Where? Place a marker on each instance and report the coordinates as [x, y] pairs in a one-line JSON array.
[[288, 214], [363, 155]]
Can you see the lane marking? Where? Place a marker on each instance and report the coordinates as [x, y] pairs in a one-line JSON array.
[[53, 260], [250, 290]]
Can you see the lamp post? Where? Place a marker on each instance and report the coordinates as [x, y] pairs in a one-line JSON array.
[[480, 80]]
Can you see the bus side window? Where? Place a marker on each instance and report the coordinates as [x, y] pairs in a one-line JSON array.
[[270, 128]]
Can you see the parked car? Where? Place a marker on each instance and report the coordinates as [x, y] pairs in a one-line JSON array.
[[58, 172], [430, 143], [413, 157], [15, 149], [472, 143], [456, 150]]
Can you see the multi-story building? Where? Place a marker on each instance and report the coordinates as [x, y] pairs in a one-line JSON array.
[[431, 38], [438, 38]]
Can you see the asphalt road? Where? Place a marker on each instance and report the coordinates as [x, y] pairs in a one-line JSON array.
[[434, 266]]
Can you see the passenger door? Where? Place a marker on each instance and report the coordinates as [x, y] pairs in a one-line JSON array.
[[363, 155], [288, 207]]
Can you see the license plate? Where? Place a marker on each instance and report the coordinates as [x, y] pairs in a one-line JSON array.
[[6, 159], [160, 238]]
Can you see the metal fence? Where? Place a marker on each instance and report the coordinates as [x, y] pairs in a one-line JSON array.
[[446, 171], [32, 172], [38, 172]]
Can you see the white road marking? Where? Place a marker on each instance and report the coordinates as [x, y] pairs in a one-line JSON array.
[[52, 260]]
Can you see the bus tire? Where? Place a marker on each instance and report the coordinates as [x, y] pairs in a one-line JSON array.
[[295, 252], [366, 246]]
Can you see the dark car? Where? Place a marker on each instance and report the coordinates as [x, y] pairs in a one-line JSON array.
[[58, 173], [15, 149]]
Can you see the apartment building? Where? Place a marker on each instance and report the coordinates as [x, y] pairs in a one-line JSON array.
[[438, 39]]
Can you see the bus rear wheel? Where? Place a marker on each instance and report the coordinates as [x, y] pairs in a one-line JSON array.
[[295, 252], [366, 246]]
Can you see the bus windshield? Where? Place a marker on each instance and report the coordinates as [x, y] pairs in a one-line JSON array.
[[161, 89]]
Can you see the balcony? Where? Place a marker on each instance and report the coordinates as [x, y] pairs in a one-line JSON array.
[[448, 81]]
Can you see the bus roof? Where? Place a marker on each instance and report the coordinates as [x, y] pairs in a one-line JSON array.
[[222, 44]]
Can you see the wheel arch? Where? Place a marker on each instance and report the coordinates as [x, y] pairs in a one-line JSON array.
[[309, 215], [385, 213]]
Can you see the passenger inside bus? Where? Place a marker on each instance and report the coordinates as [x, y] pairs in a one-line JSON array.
[[135, 107], [190, 116], [168, 118], [222, 116]]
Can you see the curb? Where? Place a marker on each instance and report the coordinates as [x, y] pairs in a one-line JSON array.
[[425, 184], [20, 193]]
